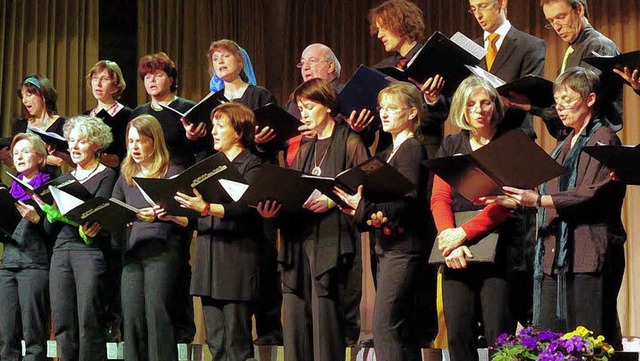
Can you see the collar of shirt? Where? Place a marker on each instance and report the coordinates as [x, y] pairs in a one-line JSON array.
[[502, 30]]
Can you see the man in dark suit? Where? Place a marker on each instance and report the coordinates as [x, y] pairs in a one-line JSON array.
[[569, 19], [511, 53]]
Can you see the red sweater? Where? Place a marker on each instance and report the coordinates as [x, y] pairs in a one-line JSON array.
[[486, 221]]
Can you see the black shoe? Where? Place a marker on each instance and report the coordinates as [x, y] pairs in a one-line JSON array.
[[268, 341]]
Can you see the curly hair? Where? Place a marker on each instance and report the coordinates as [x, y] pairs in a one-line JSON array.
[[93, 128], [401, 17], [160, 61]]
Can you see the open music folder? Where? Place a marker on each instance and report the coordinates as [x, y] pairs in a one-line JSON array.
[[282, 185], [608, 63], [361, 91], [217, 180], [284, 124], [65, 182], [621, 159], [513, 159], [201, 112], [10, 215]]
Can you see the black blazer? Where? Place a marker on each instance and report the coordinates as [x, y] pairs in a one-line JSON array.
[[520, 54]]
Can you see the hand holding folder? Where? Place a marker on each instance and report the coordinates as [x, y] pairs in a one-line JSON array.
[[199, 113], [622, 160], [215, 178], [511, 160]]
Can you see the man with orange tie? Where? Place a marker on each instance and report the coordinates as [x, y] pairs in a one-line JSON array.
[[511, 53], [569, 19]]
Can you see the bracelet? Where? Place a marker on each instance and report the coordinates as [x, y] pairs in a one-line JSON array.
[[206, 210], [539, 201]]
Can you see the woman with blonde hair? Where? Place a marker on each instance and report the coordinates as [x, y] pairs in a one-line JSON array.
[[402, 240], [152, 249], [478, 110], [24, 273]]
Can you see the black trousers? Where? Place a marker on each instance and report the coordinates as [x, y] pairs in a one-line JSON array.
[[268, 309], [75, 283], [24, 313], [148, 281], [228, 325], [182, 314], [395, 312], [314, 326], [462, 291]]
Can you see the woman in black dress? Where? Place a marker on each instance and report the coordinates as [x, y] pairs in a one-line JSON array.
[[400, 230], [152, 249], [318, 243], [24, 274], [77, 263], [226, 261]]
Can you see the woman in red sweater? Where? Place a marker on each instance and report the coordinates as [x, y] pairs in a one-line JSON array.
[[477, 110]]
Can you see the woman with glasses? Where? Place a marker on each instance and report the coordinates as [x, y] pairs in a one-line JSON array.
[[403, 236], [580, 251], [477, 109]]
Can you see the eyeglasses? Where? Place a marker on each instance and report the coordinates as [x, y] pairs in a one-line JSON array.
[[562, 19], [391, 109], [569, 104], [312, 62], [481, 7], [484, 105]]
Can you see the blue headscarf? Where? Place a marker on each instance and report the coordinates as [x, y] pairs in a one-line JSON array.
[[217, 84]]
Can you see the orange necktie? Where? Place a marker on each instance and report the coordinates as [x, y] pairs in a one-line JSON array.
[[492, 51]]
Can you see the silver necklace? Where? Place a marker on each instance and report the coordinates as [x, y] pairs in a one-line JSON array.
[[316, 167]]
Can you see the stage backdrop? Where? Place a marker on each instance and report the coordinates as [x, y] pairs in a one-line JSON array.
[[60, 39]]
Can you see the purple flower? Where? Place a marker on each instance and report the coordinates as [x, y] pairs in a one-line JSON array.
[[547, 336], [529, 342], [504, 340]]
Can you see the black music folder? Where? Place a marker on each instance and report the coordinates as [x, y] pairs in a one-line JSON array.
[[361, 91], [608, 63], [284, 124], [65, 182], [511, 160], [201, 112], [215, 178], [279, 184], [439, 55], [538, 89], [483, 248], [112, 214], [381, 182], [10, 215], [621, 159], [53, 139]]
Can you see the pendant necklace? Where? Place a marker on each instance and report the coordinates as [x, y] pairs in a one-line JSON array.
[[316, 166]]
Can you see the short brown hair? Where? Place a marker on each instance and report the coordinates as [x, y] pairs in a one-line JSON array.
[[319, 91], [581, 80], [160, 61], [241, 119], [401, 17], [114, 71], [573, 3], [40, 85], [233, 48]]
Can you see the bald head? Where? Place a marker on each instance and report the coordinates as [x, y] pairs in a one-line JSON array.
[[319, 61]]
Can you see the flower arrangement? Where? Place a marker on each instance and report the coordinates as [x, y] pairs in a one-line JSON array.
[[530, 344]]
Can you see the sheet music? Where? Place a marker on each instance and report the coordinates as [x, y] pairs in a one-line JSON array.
[[494, 80], [234, 189], [469, 45]]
